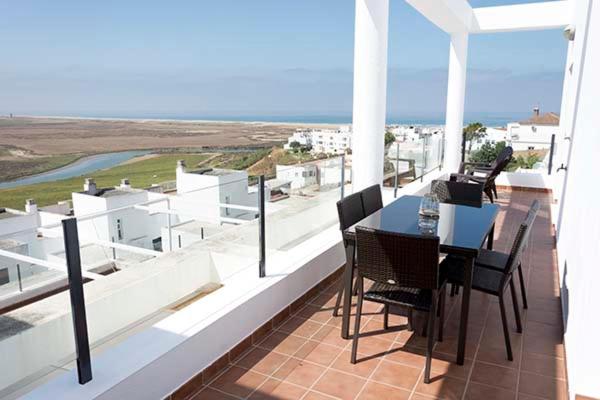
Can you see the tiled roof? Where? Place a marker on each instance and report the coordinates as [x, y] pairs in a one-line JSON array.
[[543, 119]]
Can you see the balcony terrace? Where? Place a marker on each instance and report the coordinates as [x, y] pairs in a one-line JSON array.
[[304, 357], [271, 334]]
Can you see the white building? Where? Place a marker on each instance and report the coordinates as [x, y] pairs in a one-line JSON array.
[[119, 222], [534, 133], [406, 133], [328, 141], [205, 193], [300, 176]]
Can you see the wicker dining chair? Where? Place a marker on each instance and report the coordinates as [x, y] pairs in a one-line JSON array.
[[495, 281], [350, 211], [372, 199], [405, 273], [461, 193]]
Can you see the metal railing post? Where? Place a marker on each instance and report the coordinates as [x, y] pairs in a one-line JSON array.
[[440, 153], [82, 344], [551, 154], [424, 160], [397, 170], [261, 227], [464, 148], [343, 177], [19, 277], [169, 225], [114, 250]]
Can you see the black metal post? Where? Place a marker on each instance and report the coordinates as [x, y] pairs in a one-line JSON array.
[[261, 227], [19, 277], [464, 147], [82, 344], [551, 154]]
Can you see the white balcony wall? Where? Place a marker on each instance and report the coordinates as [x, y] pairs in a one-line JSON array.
[[578, 227]]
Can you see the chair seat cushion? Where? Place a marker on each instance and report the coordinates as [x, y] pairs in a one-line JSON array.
[[419, 299], [484, 279], [492, 259]]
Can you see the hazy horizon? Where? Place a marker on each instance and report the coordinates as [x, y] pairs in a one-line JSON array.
[[252, 58]]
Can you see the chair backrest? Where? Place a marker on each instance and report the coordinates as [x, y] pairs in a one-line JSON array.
[[503, 156], [350, 210], [522, 238], [372, 200], [402, 260], [501, 162], [462, 193]]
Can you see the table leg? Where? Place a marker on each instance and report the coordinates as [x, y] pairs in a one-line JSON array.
[[464, 313], [347, 302], [490, 240]]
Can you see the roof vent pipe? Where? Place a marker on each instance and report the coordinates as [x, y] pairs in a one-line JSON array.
[[181, 165], [30, 206], [89, 186]]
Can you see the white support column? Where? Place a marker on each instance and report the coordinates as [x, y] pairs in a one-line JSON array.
[[370, 89], [455, 101]]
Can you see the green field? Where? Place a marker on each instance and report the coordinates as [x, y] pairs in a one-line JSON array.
[[141, 174]]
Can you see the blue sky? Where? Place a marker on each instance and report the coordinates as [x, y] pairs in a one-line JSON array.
[[260, 57]]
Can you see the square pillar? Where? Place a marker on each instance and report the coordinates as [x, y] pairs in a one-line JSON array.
[[370, 90], [455, 100]]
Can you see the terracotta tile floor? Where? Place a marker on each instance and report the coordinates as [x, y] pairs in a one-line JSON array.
[[305, 358]]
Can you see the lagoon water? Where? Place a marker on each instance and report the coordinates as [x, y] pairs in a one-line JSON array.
[[80, 167]]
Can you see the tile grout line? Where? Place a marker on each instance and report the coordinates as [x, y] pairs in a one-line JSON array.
[[311, 388], [368, 378], [522, 347], [468, 378]]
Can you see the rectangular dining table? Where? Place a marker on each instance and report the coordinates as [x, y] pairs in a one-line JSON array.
[[462, 231]]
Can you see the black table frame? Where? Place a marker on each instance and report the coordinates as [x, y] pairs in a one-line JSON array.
[[469, 255]]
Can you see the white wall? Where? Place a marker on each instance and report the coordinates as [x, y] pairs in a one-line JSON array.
[[200, 195], [578, 225], [522, 137], [300, 176]]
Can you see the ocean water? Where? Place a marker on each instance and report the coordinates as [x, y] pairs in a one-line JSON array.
[[488, 119]]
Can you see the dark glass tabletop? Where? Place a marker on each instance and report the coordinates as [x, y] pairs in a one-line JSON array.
[[461, 229]]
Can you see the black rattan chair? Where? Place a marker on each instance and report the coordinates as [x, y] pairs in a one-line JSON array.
[[405, 272], [372, 200], [495, 281], [467, 194], [350, 211], [490, 171]]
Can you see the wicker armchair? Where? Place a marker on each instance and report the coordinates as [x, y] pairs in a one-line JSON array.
[[495, 281], [466, 194], [405, 272], [490, 172]]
